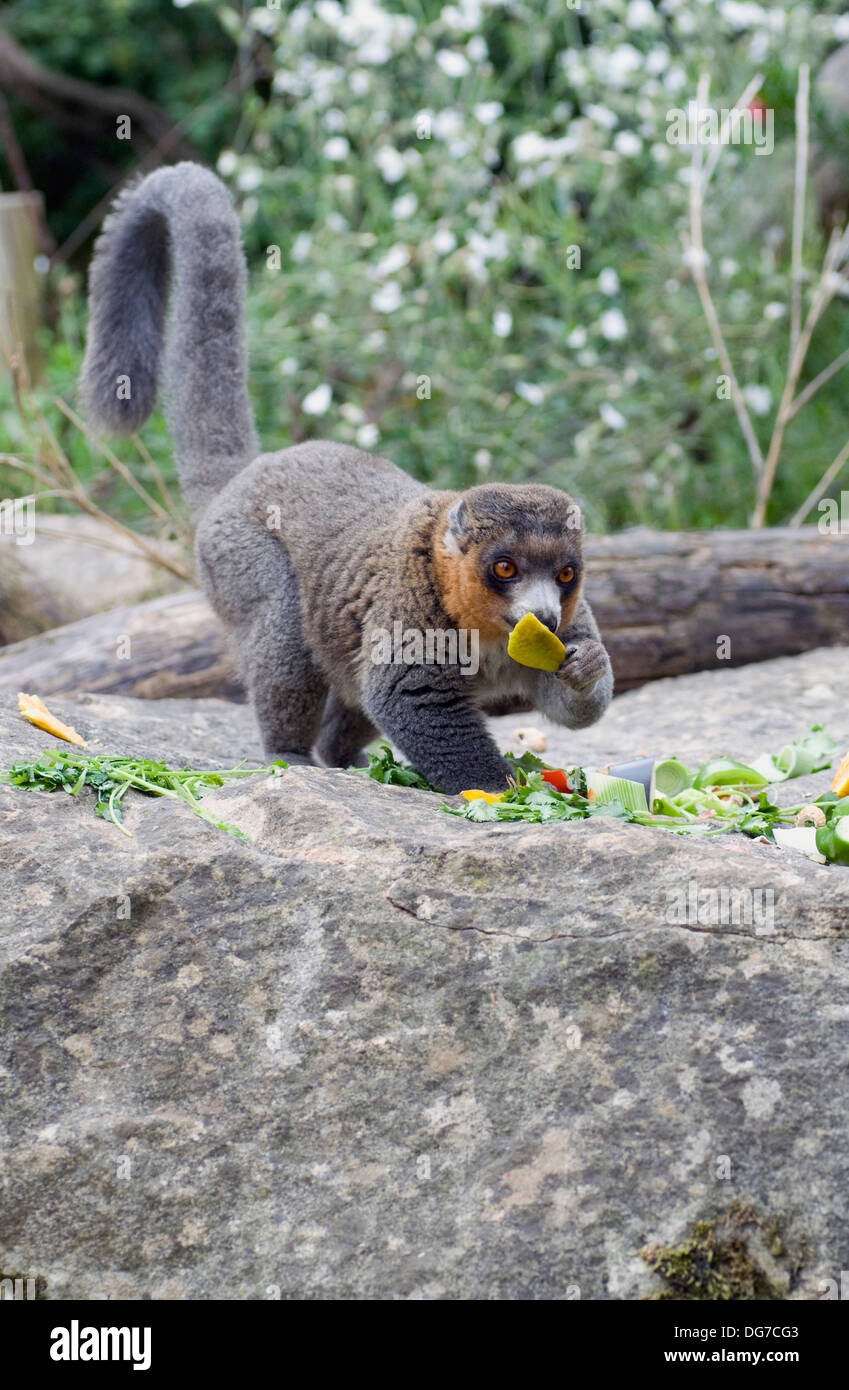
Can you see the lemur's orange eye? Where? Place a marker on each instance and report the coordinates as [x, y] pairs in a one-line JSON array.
[[504, 569], [566, 575]]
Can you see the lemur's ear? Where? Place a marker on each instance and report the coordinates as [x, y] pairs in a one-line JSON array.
[[459, 525]]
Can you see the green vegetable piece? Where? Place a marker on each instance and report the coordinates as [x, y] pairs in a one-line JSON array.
[[833, 841], [724, 772], [670, 777], [630, 795]]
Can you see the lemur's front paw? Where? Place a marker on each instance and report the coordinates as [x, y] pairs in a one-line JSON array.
[[584, 665]]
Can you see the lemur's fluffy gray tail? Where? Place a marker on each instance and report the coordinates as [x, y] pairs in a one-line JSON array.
[[179, 220]]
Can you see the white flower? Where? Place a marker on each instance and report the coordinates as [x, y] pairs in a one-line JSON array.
[[249, 178], [404, 206], [453, 64], [840, 27], [466, 16], [675, 78], [774, 310], [443, 241], [727, 267], [394, 260], [487, 111], [614, 66], [333, 119], [351, 412], [337, 148], [227, 162], [602, 115], [693, 257], [368, 435], [745, 15], [289, 366], [502, 323], [530, 392], [336, 222], [530, 147], [758, 398], [359, 82], [391, 163], [611, 416], [608, 281], [641, 14], [627, 143], [318, 401], [330, 12], [301, 246], [388, 298], [477, 49], [264, 20], [577, 338], [447, 124], [656, 60], [493, 248], [482, 460], [612, 325]]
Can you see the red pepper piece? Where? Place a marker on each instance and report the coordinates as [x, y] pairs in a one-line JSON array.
[[557, 778]]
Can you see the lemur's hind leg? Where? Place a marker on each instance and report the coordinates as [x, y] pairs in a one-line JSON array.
[[343, 735], [261, 603], [287, 690]]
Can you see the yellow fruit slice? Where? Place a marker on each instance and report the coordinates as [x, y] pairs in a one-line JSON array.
[[841, 778], [476, 795], [35, 710], [531, 643]]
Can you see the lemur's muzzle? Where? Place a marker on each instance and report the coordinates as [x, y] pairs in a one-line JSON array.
[[548, 617]]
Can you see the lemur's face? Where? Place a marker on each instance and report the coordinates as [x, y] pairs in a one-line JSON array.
[[513, 550], [542, 579]]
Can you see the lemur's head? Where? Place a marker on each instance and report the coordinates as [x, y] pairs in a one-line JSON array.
[[509, 550]]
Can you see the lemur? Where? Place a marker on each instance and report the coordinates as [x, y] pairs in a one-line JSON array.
[[307, 552]]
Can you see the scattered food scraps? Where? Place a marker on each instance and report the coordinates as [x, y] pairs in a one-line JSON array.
[[720, 796], [35, 710], [532, 738], [841, 778]]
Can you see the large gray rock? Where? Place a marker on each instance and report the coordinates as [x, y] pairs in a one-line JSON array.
[[383, 1052]]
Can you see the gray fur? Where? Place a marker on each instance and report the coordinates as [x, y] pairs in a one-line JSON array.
[[178, 221], [310, 553]]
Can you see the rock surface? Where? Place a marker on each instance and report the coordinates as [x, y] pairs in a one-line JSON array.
[[383, 1052]]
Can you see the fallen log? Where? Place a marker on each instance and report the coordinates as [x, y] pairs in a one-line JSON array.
[[666, 602], [170, 647]]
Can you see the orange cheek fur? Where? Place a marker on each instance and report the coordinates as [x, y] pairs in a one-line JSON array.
[[472, 604], [468, 601]]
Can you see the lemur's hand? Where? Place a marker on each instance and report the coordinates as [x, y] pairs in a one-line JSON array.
[[584, 664]]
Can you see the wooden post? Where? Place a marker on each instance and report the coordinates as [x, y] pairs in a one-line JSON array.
[[19, 287]]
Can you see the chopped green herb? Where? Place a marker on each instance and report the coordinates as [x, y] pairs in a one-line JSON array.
[[112, 777]]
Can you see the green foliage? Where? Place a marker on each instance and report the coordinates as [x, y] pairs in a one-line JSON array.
[[384, 767], [178, 58], [479, 220]]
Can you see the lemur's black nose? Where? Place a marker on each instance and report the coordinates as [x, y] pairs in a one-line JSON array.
[[549, 618]]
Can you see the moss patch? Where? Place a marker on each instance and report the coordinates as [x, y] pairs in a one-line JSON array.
[[732, 1258]]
